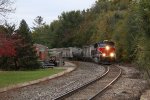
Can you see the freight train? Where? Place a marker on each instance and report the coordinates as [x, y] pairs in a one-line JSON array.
[[100, 52]]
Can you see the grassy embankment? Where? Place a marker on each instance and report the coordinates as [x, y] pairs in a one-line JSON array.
[[14, 77]]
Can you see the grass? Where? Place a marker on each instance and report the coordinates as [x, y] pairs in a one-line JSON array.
[[13, 77]]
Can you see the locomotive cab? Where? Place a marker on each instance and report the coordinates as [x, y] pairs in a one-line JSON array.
[[107, 52]]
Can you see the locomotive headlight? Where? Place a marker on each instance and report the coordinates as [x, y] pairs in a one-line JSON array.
[[104, 55], [107, 47], [112, 54]]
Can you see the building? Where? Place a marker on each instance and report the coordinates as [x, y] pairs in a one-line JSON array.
[[42, 51]]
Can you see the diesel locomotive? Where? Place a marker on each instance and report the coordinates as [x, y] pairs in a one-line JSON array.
[[104, 51]]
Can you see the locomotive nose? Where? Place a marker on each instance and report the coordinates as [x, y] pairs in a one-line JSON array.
[[107, 47], [104, 54], [112, 54]]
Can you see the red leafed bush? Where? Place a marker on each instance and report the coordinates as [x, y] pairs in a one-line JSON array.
[[7, 46]]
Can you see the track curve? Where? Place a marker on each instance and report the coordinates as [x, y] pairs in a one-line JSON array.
[[94, 88]]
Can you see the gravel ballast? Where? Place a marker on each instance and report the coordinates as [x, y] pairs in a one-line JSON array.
[[50, 89], [129, 87]]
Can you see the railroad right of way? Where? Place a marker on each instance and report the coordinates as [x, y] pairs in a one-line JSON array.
[[129, 86], [94, 88], [50, 89]]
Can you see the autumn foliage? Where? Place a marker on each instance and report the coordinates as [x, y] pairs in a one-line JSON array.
[[7, 46]]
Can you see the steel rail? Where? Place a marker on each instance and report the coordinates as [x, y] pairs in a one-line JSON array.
[[101, 91], [69, 93]]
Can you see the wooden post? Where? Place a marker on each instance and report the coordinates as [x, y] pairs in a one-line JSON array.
[[60, 59]]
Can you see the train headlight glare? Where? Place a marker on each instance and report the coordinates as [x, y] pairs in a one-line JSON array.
[[107, 47], [104, 55], [112, 54]]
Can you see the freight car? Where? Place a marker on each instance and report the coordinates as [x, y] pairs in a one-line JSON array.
[[87, 53], [71, 53]]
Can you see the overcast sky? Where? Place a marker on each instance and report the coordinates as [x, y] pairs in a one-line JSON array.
[[48, 9]]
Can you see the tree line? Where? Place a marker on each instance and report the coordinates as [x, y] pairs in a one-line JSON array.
[[126, 22], [16, 45], [16, 48]]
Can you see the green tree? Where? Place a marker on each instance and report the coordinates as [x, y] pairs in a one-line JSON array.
[[41, 32], [144, 11], [10, 28], [26, 58], [143, 40], [25, 32], [101, 6], [3, 29], [65, 31], [43, 35], [38, 22]]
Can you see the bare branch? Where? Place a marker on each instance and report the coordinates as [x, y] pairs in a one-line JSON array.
[[5, 7]]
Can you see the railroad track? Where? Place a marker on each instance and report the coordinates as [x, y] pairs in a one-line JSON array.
[[95, 88]]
